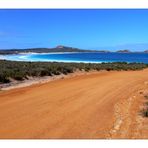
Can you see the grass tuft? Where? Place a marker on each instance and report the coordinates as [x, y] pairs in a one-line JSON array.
[[145, 112], [146, 96]]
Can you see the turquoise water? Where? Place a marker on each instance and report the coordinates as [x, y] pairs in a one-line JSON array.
[[79, 57]]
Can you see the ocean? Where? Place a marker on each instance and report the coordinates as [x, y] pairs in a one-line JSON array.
[[79, 57]]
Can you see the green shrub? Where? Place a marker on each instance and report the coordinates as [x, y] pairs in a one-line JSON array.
[[146, 96], [146, 104], [20, 70], [4, 79], [145, 112], [18, 77]]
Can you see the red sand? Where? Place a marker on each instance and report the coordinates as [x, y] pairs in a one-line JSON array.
[[98, 105]]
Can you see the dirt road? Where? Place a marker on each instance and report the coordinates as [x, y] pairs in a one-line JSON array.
[[97, 105]]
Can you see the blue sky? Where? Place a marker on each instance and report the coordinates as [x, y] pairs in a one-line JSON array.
[[86, 29]]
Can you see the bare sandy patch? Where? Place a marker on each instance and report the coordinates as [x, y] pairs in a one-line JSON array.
[[93, 105]]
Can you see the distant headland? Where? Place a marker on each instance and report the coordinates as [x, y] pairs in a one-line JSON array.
[[60, 48]]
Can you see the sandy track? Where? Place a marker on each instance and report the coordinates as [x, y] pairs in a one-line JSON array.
[[99, 105]]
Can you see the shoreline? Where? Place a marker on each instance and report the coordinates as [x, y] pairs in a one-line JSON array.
[[27, 57]]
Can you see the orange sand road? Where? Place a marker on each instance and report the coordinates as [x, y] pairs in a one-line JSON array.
[[96, 105]]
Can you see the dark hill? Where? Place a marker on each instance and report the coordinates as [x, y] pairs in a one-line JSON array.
[[44, 50], [124, 51]]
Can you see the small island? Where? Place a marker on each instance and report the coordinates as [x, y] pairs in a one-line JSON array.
[[124, 51]]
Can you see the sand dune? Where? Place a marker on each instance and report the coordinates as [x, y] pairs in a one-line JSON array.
[[97, 105]]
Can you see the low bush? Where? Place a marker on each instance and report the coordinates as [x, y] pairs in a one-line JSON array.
[[4, 79], [21, 70], [145, 112], [146, 96]]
